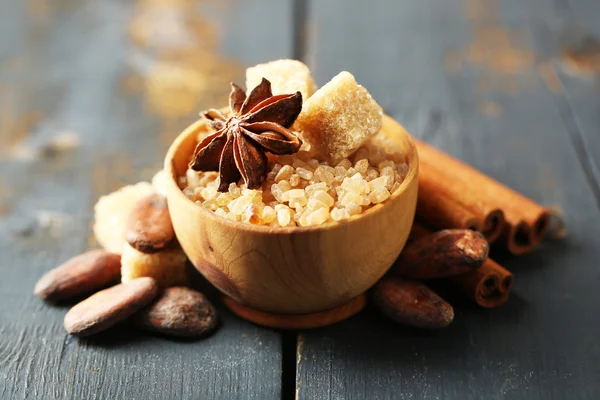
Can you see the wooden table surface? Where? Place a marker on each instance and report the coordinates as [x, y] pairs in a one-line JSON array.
[[512, 87]]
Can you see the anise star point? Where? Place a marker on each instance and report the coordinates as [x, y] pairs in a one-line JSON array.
[[258, 124]]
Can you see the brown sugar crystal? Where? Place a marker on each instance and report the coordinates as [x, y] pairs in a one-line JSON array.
[[339, 118], [286, 76]]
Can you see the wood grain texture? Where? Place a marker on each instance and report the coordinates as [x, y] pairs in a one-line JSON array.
[[79, 66], [91, 67], [579, 105], [577, 93], [465, 76]]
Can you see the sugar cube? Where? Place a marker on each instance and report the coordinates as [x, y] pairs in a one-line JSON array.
[[339, 118], [168, 267], [286, 76]]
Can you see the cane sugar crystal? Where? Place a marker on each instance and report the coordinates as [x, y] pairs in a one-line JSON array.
[[301, 191], [339, 118], [286, 77], [111, 213], [168, 266]]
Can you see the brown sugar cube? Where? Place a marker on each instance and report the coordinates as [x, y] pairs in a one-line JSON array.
[[159, 182], [286, 76], [168, 267], [339, 118], [111, 213]]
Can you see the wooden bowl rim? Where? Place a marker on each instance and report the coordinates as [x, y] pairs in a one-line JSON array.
[[172, 186]]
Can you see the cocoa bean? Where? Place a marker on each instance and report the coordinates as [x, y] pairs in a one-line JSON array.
[[412, 303], [441, 254], [83, 274], [110, 306], [149, 228], [179, 311]]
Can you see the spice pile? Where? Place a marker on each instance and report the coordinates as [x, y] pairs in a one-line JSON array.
[[153, 271], [267, 175], [301, 193], [275, 160]]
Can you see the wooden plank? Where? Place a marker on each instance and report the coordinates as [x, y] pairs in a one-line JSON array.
[[243, 38], [103, 70], [465, 76], [582, 101], [575, 59]]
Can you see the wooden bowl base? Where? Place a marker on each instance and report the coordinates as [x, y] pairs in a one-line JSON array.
[[298, 321]]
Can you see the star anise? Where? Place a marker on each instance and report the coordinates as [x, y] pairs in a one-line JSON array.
[[258, 124]]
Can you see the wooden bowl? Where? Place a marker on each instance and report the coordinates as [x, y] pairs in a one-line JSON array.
[[292, 270]]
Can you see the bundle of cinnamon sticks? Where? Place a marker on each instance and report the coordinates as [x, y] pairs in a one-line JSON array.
[[460, 211], [455, 195]]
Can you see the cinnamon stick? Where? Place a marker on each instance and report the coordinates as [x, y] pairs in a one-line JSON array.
[[433, 204], [488, 285], [498, 210], [446, 206]]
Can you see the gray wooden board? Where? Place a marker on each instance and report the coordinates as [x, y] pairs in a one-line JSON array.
[[71, 65], [504, 120], [582, 100], [576, 24]]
